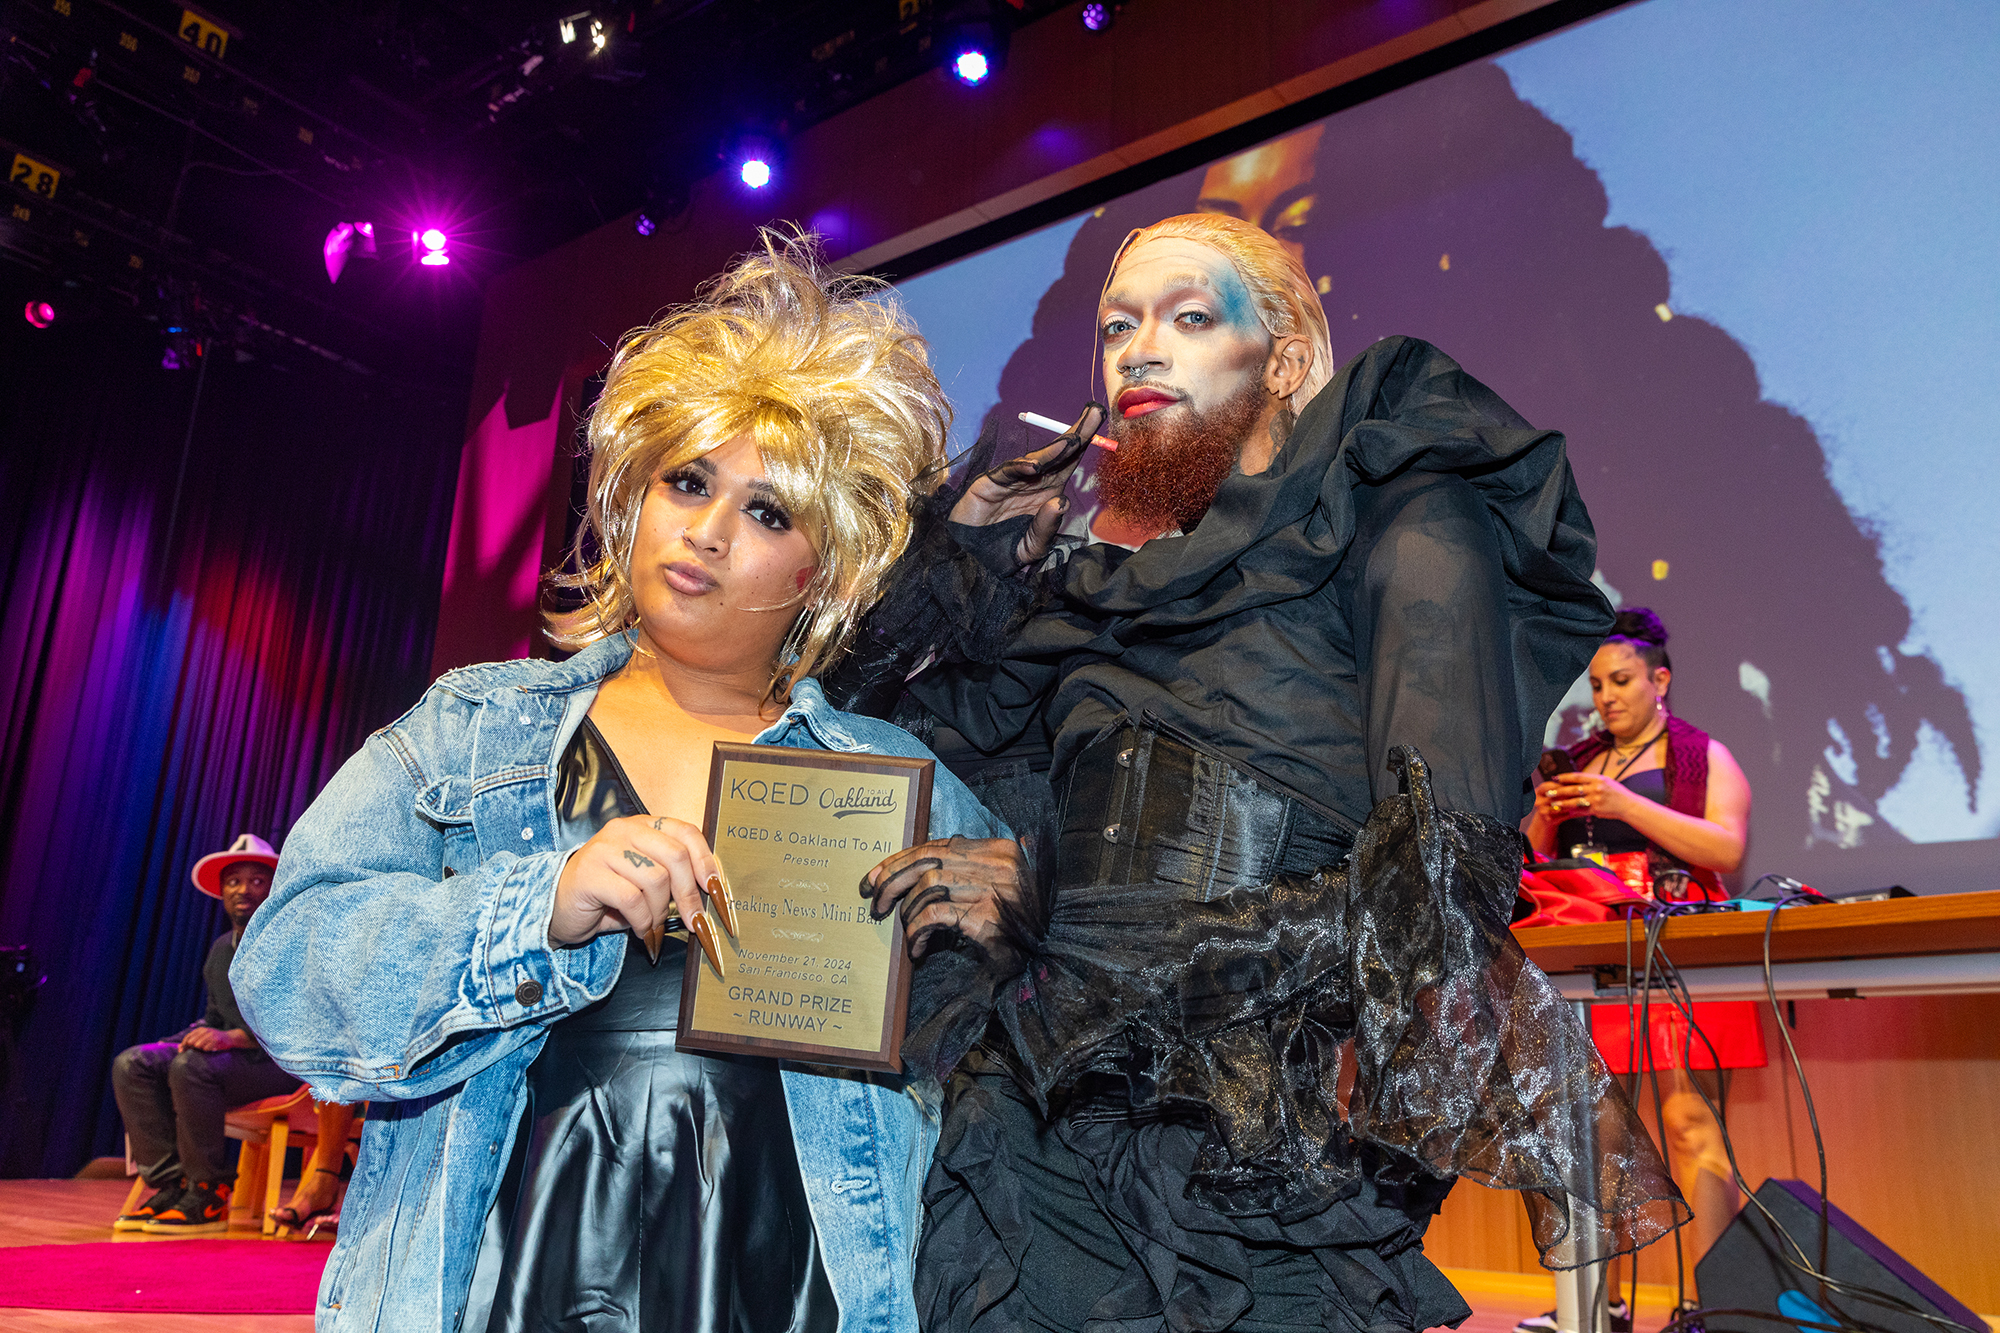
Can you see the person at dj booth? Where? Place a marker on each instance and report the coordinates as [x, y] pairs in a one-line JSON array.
[[173, 1094], [1666, 807]]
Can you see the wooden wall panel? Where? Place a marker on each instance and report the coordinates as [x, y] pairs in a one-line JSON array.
[[1908, 1096]]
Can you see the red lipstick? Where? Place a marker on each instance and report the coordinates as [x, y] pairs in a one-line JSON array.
[[1137, 402]]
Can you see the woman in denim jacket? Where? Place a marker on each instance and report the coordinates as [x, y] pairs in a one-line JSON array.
[[450, 937]]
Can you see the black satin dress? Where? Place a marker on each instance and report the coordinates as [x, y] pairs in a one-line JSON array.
[[651, 1189]]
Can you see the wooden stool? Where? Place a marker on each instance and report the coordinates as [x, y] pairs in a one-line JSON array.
[[265, 1129]]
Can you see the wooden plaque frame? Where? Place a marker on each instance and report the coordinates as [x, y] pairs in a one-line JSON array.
[[914, 828]]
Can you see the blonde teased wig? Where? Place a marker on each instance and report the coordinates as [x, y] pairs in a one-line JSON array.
[[1286, 303], [833, 384]]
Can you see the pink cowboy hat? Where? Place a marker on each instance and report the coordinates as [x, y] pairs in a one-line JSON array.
[[207, 873]]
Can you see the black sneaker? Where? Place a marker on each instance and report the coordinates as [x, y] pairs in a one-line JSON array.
[[1621, 1320], [163, 1198], [201, 1210]]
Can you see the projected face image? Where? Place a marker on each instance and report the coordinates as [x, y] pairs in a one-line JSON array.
[[1544, 217], [1270, 186]]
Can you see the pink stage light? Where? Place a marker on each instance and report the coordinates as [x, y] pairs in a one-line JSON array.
[[432, 243], [40, 314]]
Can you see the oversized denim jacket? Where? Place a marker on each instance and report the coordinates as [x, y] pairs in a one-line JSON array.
[[403, 960]]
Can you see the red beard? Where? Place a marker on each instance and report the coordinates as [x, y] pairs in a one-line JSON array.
[[1171, 462]]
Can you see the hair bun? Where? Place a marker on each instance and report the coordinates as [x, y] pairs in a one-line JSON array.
[[1638, 622]]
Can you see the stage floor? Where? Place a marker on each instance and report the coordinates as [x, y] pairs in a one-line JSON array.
[[71, 1212]]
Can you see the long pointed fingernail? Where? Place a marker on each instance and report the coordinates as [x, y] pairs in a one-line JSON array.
[[651, 939], [725, 903], [704, 933]]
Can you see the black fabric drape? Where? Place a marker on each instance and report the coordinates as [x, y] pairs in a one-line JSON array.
[[189, 646]]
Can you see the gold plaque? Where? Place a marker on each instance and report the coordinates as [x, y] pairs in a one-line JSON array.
[[809, 976]]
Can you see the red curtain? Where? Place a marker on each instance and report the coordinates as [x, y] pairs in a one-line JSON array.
[[216, 582]]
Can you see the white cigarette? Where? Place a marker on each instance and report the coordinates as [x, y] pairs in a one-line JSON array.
[[1061, 428]]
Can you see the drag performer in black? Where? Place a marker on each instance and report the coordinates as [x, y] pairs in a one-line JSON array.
[[1265, 742]]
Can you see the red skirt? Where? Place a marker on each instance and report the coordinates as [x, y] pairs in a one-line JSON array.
[[1731, 1027]]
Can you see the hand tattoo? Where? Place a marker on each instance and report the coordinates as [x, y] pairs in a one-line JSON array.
[[643, 862], [660, 824]]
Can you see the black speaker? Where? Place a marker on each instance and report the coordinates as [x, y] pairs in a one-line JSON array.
[[1747, 1270]]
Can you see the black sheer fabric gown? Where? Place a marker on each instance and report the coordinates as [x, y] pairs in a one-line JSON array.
[[650, 1189], [1283, 755]]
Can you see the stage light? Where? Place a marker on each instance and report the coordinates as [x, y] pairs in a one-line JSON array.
[[432, 243], [644, 224], [756, 173], [1097, 15], [970, 67], [40, 314], [347, 238]]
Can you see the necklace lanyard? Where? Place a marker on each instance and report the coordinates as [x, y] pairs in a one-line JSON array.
[[1590, 821]]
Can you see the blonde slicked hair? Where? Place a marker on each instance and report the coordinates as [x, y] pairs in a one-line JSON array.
[[828, 378], [1286, 302]]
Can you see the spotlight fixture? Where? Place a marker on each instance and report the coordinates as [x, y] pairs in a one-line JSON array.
[[973, 36], [755, 155], [970, 67], [40, 314], [431, 243], [644, 224], [356, 238], [1098, 15]]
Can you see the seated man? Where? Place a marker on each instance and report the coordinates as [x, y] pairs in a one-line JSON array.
[[173, 1093]]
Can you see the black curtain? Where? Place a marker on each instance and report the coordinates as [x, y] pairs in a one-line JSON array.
[[217, 581]]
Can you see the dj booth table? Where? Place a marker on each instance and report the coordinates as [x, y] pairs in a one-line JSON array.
[[1943, 944]]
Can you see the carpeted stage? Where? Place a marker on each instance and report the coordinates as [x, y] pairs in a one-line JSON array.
[[56, 1245], [55, 1238]]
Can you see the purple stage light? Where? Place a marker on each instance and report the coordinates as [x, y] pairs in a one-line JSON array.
[[40, 314], [756, 173], [1097, 16], [644, 224], [347, 238], [432, 242], [971, 67]]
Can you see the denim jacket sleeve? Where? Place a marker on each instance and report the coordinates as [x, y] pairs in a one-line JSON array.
[[394, 960]]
